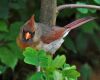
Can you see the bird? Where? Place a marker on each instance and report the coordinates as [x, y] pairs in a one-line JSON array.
[[43, 36]]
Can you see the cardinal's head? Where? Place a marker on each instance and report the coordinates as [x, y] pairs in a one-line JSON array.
[[27, 32]]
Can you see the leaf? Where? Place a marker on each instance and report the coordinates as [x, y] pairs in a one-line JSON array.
[[14, 30], [36, 76], [69, 67], [66, 65], [2, 69], [97, 1], [72, 79], [70, 44], [3, 35], [15, 49], [78, 15], [82, 10], [81, 42], [4, 9], [57, 75], [57, 60], [3, 26], [37, 58], [96, 40], [43, 58], [92, 10], [50, 60], [59, 2], [19, 5], [90, 27], [7, 57], [29, 55], [71, 73], [86, 71]]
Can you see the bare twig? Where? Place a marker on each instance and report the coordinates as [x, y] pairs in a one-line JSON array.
[[38, 69], [61, 7]]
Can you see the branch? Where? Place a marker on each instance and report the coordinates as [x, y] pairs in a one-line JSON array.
[[61, 7], [38, 69], [48, 12]]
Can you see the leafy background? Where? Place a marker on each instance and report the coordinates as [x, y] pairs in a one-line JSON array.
[[81, 46]]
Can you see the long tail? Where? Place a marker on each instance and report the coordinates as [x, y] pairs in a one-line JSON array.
[[78, 22]]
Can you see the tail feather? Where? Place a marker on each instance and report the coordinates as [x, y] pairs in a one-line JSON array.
[[79, 22], [76, 24]]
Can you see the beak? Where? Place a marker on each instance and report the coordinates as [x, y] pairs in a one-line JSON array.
[[27, 36]]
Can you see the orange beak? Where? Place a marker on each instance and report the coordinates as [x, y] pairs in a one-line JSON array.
[[28, 36]]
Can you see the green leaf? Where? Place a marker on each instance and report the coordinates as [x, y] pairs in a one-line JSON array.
[[59, 2], [78, 15], [3, 35], [72, 79], [81, 42], [82, 10], [71, 73], [2, 69], [19, 5], [37, 58], [97, 1], [66, 65], [86, 71], [57, 60], [70, 44], [69, 67], [96, 40], [7, 57], [57, 75], [50, 60], [4, 9], [3, 26], [92, 10], [90, 27], [15, 49], [14, 30], [29, 55], [36, 76]]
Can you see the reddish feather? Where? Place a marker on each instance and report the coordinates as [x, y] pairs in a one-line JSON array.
[[31, 22], [79, 22], [56, 33]]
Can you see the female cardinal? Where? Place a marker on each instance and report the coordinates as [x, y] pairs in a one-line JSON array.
[[42, 36]]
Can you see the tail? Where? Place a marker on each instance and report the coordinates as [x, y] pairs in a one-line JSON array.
[[78, 22]]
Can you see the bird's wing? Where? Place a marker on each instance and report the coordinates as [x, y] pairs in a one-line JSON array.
[[52, 35]]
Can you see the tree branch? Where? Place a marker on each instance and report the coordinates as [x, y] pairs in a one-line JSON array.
[[61, 7], [48, 12]]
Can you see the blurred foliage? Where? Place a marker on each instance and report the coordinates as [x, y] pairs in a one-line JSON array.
[[82, 44], [86, 71]]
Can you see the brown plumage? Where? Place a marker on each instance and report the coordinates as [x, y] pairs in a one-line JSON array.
[[42, 36]]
